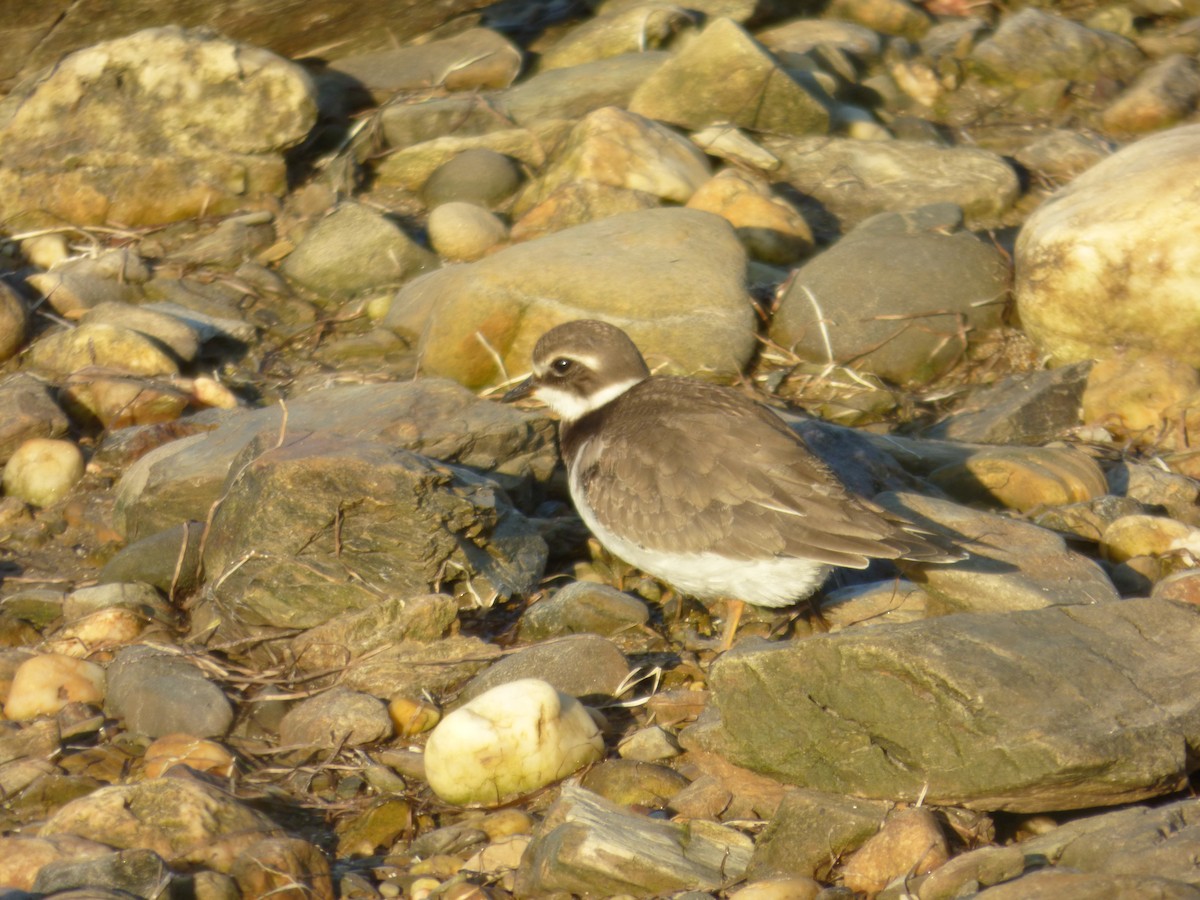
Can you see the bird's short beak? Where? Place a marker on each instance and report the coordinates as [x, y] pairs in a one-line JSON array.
[[524, 389]]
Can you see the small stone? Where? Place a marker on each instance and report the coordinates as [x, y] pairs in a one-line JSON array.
[[578, 664], [187, 750], [649, 745], [628, 782], [463, 231], [27, 410], [910, 843], [779, 889], [771, 229], [1182, 587], [891, 602], [173, 333], [412, 717], [1023, 478], [509, 741], [506, 822], [123, 349], [1139, 535], [1147, 398], [46, 250], [157, 693], [583, 607], [42, 471], [283, 866], [101, 630], [134, 872], [336, 718], [22, 856], [478, 176], [46, 683]]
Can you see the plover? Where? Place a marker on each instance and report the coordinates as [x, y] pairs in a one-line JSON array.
[[700, 486]]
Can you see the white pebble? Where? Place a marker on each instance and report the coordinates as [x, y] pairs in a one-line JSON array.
[[43, 685], [42, 471], [464, 231], [508, 741]]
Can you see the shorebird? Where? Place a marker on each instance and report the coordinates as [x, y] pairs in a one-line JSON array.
[[699, 485]]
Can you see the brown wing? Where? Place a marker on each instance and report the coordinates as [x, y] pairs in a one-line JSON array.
[[701, 468]]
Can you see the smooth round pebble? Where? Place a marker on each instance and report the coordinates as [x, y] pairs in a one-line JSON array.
[[187, 750], [797, 888], [43, 685], [410, 717], [1138, 535], [464, 231], [42, 471], [46, 250], [478, 175], [508, 741], [909, 842]]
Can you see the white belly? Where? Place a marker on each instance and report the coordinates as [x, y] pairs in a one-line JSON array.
[[774, 581]]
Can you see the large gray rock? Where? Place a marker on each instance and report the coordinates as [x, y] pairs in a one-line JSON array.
[[725, 76], [159, 693], [322, 525], [1109, 262], [180, 481], [478, 322], [1049, 709], [892, 297], [146, 129]]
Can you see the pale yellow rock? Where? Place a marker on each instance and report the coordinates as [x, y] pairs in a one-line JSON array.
[[42, 471], [768, 226], [1024, 478], [187, 750], [96, 344], [1133, 536], [46, 250], [122, 401], [45, 684], [101, 630], [464, 231], [508, 741], [796, 888], [1151, 399]]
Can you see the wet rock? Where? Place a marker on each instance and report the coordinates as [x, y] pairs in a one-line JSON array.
[[336, 718], [180, 819], [979, 182], [14, 322], [352, 250], [696, 87], [464, 231], [910, 843], [169, 560], [158, 694], [508, 741], [633, 28], [42, 471], [1032, 46], [618, 148], [475, 318], [583, 607], [770, 228], [151, 169], [182, 479], [403, 524], [811, 831], [1029, 753], [1013, 565], [481, 177], [140, 873], [477, 58], [1030, 408], [581, 665], [46, 683], [854, 304], [1117, 233], [27, 411], [587, 845]]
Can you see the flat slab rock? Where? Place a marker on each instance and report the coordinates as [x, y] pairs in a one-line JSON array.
[[1049, 709]]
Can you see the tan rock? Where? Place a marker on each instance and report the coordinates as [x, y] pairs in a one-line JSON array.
[[1150, 399], [187, 750], [14, 321], [770, 228], [464, 231], [910, 843], [23, 855], [285, 867], [42, 471], [46, 683], [1024, 478], [107, 346]]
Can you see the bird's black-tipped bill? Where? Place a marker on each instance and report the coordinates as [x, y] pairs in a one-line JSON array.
[[524, 389]]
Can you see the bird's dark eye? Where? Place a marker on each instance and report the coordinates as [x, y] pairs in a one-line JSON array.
[[562, 365]]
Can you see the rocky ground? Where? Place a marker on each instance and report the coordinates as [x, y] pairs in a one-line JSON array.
[[291, 606]]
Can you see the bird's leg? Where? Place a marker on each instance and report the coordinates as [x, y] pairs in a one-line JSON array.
[[733, 615]]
